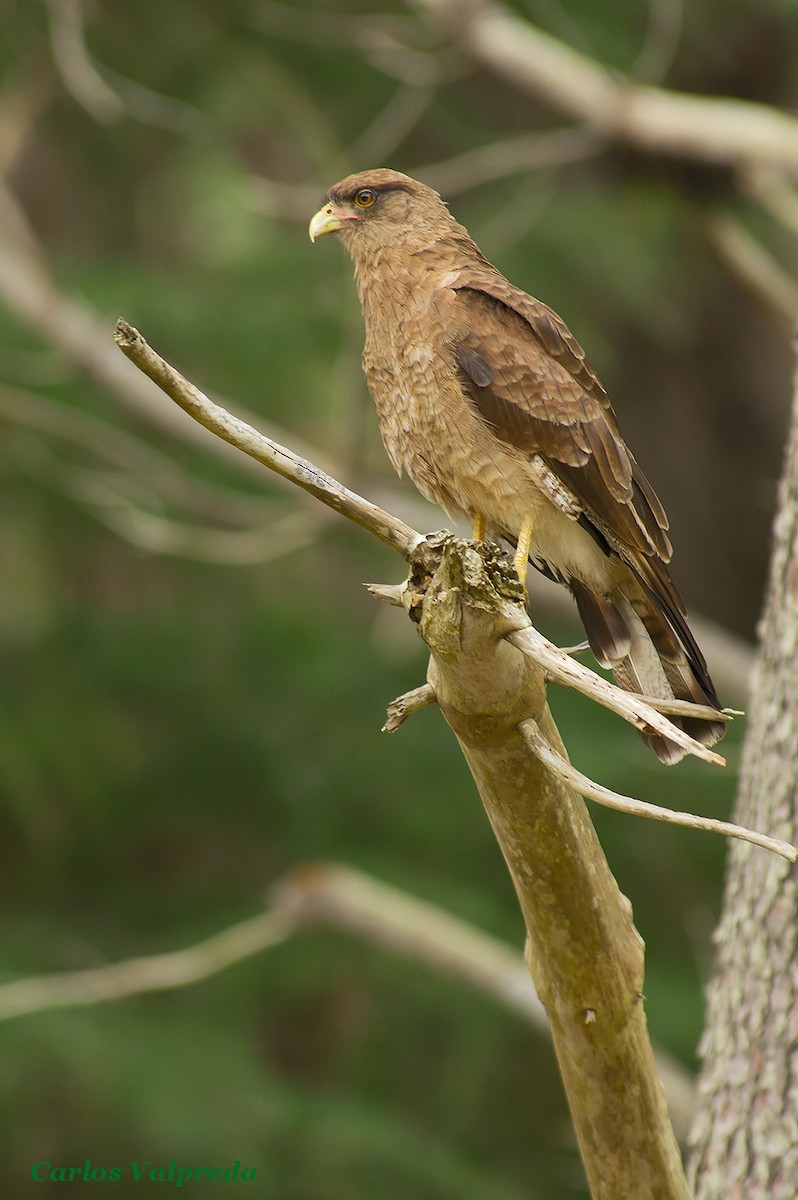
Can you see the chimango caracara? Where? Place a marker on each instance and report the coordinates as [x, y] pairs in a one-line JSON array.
[[488, 403]]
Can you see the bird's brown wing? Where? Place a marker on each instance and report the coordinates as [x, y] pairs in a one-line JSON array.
[[530, 380]]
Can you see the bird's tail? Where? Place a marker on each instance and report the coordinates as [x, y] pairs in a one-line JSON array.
[[652, 652]]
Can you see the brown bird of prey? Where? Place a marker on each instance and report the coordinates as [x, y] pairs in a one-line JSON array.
[[489, 404]]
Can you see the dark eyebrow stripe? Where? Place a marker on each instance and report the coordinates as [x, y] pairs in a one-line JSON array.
[[334, 195]]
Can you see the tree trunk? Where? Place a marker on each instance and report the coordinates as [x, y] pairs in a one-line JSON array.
[[745, 1135]]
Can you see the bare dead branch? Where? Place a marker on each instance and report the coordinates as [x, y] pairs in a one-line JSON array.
[[639, 808], [586, 958], [388, 529], [560, 668]]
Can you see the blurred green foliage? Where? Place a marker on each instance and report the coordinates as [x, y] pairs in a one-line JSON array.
[[175, 734]]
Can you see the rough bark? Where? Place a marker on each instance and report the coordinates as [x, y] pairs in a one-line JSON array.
[[744, 1141]]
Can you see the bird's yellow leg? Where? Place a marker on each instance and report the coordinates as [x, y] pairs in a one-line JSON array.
[[479, 527], [521, 556]]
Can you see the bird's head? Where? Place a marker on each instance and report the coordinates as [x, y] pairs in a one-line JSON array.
[[379, 208]]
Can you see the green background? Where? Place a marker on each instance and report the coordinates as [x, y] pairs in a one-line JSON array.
[[177, 733]]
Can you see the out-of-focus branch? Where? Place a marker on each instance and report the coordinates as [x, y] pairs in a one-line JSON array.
[[73, 61], [90, 89], [81, 334], [118, 497], [774, 193], [389, 128], [132, 458], [757, 269], [156, 534], [665, 20], [326, 897], [508, 156], [710, 129], [153, 973], [451, 176]]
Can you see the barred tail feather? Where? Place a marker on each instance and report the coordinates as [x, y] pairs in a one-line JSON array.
[[638, 643]]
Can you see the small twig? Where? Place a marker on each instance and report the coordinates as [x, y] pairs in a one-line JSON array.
[[658, 120], [387, 593], [543, 749], [579, 648], [686, 708], [404, 706], [564, 670], [388, 529]]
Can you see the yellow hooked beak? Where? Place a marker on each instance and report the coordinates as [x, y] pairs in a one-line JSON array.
[[325, 221]]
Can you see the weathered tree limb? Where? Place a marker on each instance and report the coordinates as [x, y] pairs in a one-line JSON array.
[[561, 668], [745, 1136], [540, 746], [389, 529], [583, 951], [707, 128], [392, 532]]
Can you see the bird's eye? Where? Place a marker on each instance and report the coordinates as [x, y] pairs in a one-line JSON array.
[[365, 198]]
